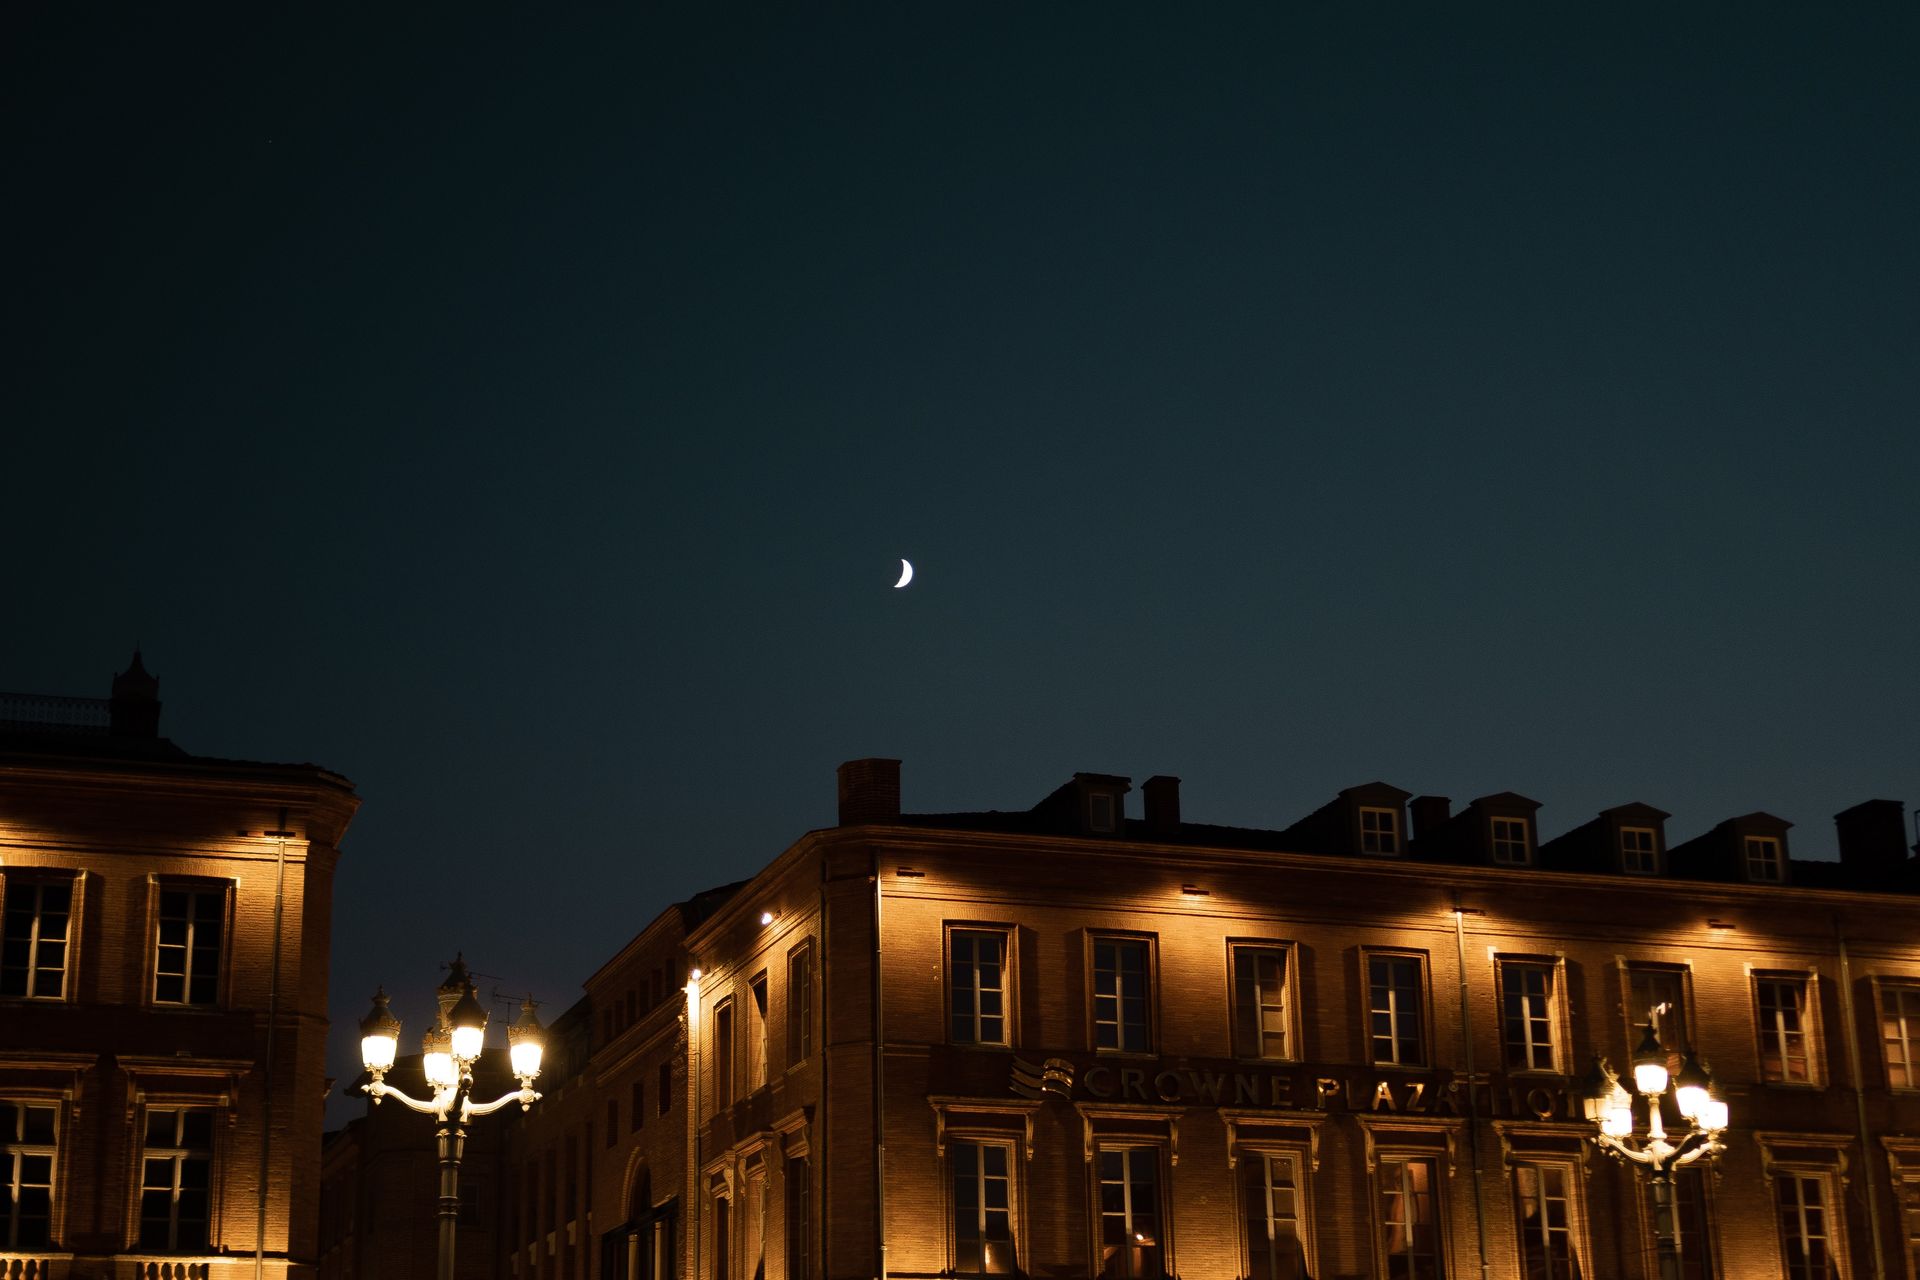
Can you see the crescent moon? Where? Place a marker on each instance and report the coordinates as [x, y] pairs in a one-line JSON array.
[[906, 574]]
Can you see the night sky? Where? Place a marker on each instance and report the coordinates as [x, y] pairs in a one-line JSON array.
[[525, 418]]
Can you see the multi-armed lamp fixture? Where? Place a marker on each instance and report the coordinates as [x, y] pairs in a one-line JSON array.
[[1651, 1149], [448, 1052]]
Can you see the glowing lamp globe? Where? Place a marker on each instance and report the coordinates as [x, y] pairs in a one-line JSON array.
[[436, 1058], [1713, 1115], [526, 1043], [469, 1021], [379, 1035], [1617, 1114], [1650, 1065], [1691, 1087]]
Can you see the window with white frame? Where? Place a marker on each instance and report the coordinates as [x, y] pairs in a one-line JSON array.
[[34, 932], [1804, 1206], [983, 1208], [1261, 1013], [1396, 999], [1408, 1213], [1122, 990], [1900, 1033], [1272, 1201], [1544, 1218], [1764, 863], [1639, 851], [188, 938], [1510, 842], [176, 1180], [800, 1003], [723, 1054], [1909, 1192], [1658, 992], [1379, 830], [977, 985], [1527, 1014], [757, 1032], [1783, 1015], [28, 1148], [1130, 1232]]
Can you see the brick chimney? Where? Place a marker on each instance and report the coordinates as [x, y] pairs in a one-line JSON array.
[[869, 791], [1428, 813], [1162, 795], [1873, 838]]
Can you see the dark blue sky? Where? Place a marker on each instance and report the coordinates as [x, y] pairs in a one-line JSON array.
[[524, 418]]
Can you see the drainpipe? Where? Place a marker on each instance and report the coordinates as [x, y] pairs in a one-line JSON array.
[[1473, 1094], [879, 1088], [280, 833], [1860, 1103]]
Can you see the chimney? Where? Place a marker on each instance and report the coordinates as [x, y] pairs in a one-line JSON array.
[[1873, 838], [1429, 814], [1162, 794], [134, 709], [869, 791]]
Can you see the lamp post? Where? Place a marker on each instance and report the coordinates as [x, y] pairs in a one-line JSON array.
[[1652, 1150], [448, 1051]]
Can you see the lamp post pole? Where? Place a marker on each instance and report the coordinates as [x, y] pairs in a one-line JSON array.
[[1612, 1109], [448, 1053]]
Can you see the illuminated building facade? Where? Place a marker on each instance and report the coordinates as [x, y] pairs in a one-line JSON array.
[[1065, 1042], [164, 942]]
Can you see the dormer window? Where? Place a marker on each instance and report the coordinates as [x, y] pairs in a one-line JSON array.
[[1379, 830], [1509, 844], [1100, 812], [1764, 863], [1639, 852]]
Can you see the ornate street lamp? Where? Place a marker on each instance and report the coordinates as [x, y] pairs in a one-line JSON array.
[[1651, 1150], [448, 1051]]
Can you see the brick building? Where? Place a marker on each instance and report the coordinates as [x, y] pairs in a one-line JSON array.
[[163, 988], [1069, 1042]]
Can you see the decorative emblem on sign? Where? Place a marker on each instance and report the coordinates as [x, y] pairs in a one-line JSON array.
[[1054, 1076]]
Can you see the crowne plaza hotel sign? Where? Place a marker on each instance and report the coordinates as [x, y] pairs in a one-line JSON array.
[[1294, 1087]]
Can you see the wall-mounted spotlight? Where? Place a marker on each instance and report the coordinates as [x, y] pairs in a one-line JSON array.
[[1193, 891], [1721, 924], [908, 873], [768, 917]]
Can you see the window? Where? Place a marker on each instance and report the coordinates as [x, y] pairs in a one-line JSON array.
[[1260, 1004], [753, 1225], [1510, 841], [1692, 1223], [1900, 1034], [33, 938], [757, 1033], [799, 1188], [1409, 1234], [27, 1152], [1270, 1197], [721, 1208], [186, 962], [1379, 830], [663, 1092], [1395, 993], [1120, 988], [1659, 994], [1783, 1029], [1909, 1192], [1130, 1246], [723, 1054], [636, 1105], [613, 1121], [1544, 1217], [799, 1004], [1763, 859], [977, 982], [982, 1208], [1100, 815], [1526, 1015], [175, 1181], [469, 1214], [1806, 1241], [1639, 854]]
